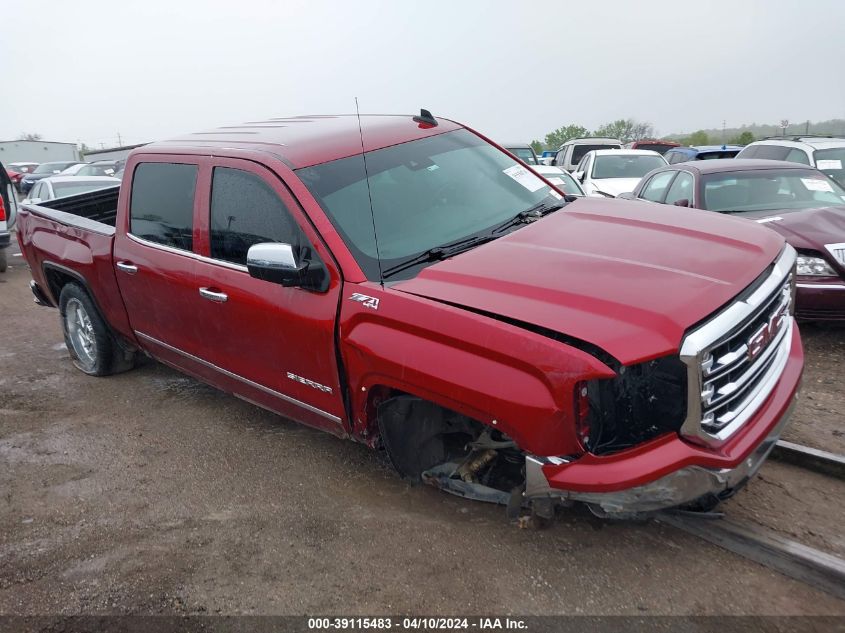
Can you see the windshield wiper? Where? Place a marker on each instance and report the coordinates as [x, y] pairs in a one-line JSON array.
[[531, 214], [439, 252]]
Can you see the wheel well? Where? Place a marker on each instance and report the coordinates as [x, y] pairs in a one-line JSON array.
[[58, 279]]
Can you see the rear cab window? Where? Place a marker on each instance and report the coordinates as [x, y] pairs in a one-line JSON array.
[[161, 206]]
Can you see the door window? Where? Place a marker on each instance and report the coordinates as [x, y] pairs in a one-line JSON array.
[[681, 189], [162, 204], [656, 187], [245, 211]]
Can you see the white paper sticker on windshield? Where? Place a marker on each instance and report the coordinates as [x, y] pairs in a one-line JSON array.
[[817, 184], [554, 194], [556, 181], [530, 181], [828, 164]]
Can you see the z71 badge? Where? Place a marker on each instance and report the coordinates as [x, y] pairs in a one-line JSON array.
[[365, 300]]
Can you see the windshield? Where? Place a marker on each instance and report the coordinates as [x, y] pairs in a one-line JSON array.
[[425, 193], [579, 150], [564, 181], [524, 153], [625, 165], [62, 189], [49, 168], [770, 190], [106, 169], [831, 161]]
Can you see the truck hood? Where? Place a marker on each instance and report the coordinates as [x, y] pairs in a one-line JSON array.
[[807, 229], [627, 277], [615, 186]]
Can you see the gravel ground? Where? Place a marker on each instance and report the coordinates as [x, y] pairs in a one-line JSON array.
[[149, 493]]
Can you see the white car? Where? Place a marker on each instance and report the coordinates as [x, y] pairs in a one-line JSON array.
[[62, 186], [610, 172], [561, 179], [571, 152], [72, 170], [825, 153]]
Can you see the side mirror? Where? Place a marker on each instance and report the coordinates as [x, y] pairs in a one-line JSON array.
[[278, 263], [579, 175], [683, 202]]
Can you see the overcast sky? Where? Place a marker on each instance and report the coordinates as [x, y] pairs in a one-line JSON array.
[[85, 71]]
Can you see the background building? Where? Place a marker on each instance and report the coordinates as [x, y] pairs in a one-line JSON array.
[[36, 151], [110, 153]]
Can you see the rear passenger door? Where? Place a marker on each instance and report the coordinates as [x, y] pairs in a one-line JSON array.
[[154, 259], [272, 344]]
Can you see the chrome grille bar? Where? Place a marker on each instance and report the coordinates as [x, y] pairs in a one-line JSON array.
[[735, 358], [838, 252]]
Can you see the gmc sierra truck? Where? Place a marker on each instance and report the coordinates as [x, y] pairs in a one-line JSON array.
[[406, 283]]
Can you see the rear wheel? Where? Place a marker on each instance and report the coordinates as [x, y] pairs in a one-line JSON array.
[[89, 341]]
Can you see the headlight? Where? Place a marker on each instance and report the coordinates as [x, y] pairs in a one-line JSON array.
[[814, 266]]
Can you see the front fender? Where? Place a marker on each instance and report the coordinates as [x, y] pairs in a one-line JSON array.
[[518, 381]]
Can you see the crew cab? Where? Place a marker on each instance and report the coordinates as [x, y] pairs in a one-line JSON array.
[[406, 283]]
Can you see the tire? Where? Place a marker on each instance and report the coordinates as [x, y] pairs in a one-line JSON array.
[[89, 341], [3, 260]]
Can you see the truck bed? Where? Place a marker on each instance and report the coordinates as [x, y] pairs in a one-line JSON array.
[[95, 210], [71, 239]]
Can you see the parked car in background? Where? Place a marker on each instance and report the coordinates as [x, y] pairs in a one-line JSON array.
[[547, 157], [45, 170], [72, 170], [100, 168], [18, 170], [63, 186], [560, 179], [825, 153], [661, 147], [700, 152], [797, 201], [525, 349], [571, 152], [523, 151], [610, 172], [8, 207]]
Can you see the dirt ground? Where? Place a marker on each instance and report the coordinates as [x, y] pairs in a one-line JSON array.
[[149, 493]]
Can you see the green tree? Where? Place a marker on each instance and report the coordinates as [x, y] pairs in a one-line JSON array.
[[29, 136], [696, 138], [626, 130], [742, 139], [558, 137], [538, 147]]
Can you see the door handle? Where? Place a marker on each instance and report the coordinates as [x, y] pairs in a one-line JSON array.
[[126, 267], [211, 295]]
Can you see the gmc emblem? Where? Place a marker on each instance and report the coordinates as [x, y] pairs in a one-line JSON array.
[[758, 341]]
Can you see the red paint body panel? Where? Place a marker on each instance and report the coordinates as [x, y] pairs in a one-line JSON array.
[[483, 368], [307, 141], [668, 453], [627, 277]]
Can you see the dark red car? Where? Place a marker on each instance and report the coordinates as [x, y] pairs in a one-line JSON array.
[[799, 202], [659, 146], [17, 171]]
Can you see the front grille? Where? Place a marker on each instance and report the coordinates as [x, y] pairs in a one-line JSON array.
[[838, 252], [735, 358], [733, 367]]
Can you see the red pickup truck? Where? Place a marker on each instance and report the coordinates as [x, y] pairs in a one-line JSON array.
[[411, 285]]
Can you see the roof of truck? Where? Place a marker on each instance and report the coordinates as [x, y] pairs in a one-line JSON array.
[[302, 141]]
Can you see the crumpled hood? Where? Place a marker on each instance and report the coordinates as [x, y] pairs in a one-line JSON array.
[[615, 186], [808, 229], [628, 277]]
